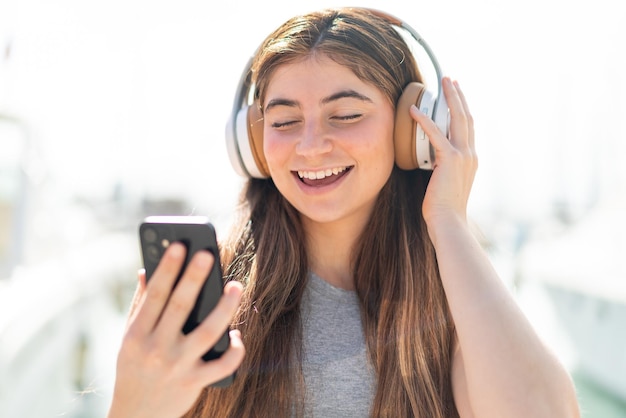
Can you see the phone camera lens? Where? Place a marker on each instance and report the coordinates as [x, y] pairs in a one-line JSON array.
[[150, 235], [153, 252]]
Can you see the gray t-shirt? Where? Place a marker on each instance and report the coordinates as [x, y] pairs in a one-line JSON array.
[[339, 378]]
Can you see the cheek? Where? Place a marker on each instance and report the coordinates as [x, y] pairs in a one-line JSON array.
[[382, 154], [389, 148], [382, 149], [275, 151], [387, 158]]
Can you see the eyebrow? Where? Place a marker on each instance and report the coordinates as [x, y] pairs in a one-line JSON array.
[[280, 102], [350, 94], [343, 94]]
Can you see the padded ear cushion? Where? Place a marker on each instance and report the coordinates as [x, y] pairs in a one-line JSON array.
[[405, 130], [255, 136]]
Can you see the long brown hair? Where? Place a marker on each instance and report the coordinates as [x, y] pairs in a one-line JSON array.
[[407, 324]]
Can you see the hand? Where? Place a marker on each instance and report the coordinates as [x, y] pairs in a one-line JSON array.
[[160, 372], [455, 159]]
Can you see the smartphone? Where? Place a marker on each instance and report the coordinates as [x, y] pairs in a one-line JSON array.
[[196, 233]]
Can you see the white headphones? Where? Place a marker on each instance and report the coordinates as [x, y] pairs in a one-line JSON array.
[[244, 129]]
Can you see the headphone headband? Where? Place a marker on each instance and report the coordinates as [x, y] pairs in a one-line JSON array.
[[418, 38]]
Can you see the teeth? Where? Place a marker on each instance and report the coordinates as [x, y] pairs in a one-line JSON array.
[[318, 175]]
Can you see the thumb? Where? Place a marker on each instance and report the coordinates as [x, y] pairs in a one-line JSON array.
[[138, 296]]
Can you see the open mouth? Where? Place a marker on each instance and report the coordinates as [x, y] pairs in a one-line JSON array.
[[323, 177]]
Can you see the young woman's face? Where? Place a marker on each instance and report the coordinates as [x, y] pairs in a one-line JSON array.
[[328, 139]]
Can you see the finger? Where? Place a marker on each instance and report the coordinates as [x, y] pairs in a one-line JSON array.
[[459, 132], [207, 334], [468, 115], [216, 370], [159, 287], [437, 139], [184, 296], [138, 296]]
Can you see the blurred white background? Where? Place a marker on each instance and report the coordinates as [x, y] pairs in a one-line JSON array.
[[110, 111]]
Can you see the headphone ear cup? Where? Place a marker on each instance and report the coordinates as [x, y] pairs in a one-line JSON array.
[[405, 129], [244, 142], [255, 134], [412, 146]]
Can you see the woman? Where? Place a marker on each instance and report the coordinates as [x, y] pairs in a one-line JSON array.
[[356, 288]]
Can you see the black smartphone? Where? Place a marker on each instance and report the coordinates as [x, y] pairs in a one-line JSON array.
[[196, 233]]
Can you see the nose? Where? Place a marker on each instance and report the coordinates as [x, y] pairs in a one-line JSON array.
[[314, 141]]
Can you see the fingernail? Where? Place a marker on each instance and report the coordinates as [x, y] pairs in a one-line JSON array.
[[233, 289], [176, 250], [415, 109], [203, 259]]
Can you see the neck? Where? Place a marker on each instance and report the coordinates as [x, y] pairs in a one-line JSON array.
[[330, 247]]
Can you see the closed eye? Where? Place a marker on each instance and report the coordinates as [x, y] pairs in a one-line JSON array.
[[282, 125], [348, 118]]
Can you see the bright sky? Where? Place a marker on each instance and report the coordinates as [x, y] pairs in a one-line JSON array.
[[138, 92]]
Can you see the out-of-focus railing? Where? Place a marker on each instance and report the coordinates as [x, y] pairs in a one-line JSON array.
[[59, 322]]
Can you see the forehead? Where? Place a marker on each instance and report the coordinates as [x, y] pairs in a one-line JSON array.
[[313, 76]]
